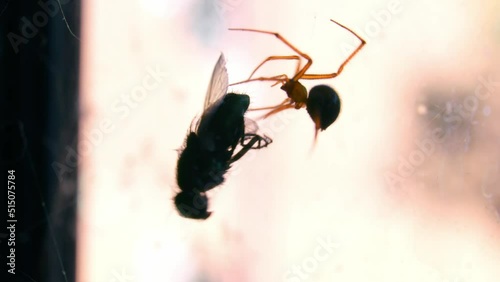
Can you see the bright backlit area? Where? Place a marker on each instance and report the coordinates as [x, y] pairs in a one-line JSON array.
[[403, 187]]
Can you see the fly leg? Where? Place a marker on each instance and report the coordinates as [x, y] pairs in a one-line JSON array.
[[262, 141], [254, 138]]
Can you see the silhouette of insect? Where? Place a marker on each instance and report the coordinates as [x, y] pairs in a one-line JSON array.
[[210, 148], [323, 103]]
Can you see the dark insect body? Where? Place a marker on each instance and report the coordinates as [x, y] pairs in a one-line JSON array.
[[323, 103], [211, 148]]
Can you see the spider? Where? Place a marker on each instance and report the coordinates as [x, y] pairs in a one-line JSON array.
[[322, 103]]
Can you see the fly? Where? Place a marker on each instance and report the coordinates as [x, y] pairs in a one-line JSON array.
[[210, 148]]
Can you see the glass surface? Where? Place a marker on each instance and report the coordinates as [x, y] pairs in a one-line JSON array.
[[404, 186]]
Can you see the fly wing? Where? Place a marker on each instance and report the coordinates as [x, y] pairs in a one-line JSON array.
[[215, 96], [250, 126], [218, 83]]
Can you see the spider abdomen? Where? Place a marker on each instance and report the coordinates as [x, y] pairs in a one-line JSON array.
[[323, 105]]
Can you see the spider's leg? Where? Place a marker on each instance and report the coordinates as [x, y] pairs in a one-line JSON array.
[[271, 58], [286, 101], [299, 73], [332, 75], [282, 78], [286, 104], [279, 109]]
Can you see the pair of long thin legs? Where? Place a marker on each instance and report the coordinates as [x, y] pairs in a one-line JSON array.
[[254, 138], [300, 73]]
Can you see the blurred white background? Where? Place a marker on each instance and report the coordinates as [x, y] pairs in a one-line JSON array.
[[403, 187]]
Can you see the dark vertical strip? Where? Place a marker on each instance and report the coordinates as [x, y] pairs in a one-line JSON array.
[[39, 70]]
